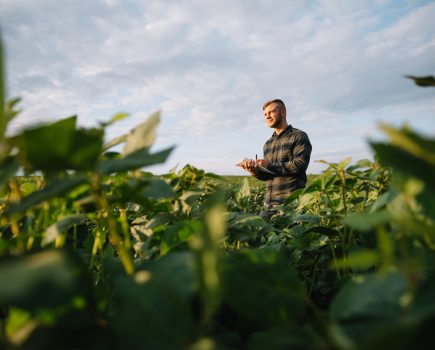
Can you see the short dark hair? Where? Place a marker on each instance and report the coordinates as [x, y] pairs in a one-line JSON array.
[[277, 100]]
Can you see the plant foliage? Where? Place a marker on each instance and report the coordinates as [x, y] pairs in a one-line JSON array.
[[97, 253]]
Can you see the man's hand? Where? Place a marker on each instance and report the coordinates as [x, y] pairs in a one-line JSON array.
[[250, 166]]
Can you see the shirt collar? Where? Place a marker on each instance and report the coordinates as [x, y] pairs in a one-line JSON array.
[[289, 128]]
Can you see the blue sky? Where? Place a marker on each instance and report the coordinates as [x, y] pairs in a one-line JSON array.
[[208, 66]]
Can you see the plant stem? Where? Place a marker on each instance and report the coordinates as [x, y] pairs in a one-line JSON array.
[[110, 223]]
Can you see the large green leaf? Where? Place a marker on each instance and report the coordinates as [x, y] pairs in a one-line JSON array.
[[157, 189], [261, 287], [243, 194], [45, 279], [179, 233], [150, 311], [374, 295], [376, 310], [408, 140], [59, 146], [183, 284], [133, 161], [368, 302], [406, 162], [142, 136]]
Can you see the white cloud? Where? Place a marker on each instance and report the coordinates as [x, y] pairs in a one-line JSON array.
[[209, 66]]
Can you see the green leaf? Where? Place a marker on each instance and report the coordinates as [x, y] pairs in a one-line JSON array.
[[59, 146], [45, 279], [183, 283], [263, 278], [422, 81], [179, 233], [315, 186], [344, 163], [133, 161], [367, 221], [117, 117], [370, 297], [295, 195], [52, 190], [157, 189], [187, 200], [411, 142], [148, 312], [246, 219], [369, 302], [313, 219], [114, 142], [56, 229], [362, 259], [362, 163], [243, 191], [142, 136], [406, 162]]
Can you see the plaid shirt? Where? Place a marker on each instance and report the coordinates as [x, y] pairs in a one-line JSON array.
[[288, 154]]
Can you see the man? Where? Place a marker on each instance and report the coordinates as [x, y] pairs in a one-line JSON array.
[[286, 155]]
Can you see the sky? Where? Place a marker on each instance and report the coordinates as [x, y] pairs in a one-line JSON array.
[[209, 65]]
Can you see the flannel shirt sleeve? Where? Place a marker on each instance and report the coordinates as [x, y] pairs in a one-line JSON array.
[[298, 161]]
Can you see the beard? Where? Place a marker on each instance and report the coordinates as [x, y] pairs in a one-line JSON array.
[[277, 122]]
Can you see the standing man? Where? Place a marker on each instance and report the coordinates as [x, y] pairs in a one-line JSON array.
[[286, 155]]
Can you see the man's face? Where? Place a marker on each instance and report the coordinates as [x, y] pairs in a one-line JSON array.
[[274, 115]]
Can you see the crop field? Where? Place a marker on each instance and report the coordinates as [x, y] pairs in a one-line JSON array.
[[98, 253]]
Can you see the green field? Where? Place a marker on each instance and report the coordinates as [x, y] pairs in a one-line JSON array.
[[98, 253]]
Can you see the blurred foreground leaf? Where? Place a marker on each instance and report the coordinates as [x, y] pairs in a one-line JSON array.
[[59, 146], [133, 161], [41, 280], [150, 311], [142, 136], [422, 81], [265, 279]]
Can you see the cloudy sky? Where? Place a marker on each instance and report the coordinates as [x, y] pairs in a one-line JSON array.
[[208, 66]]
